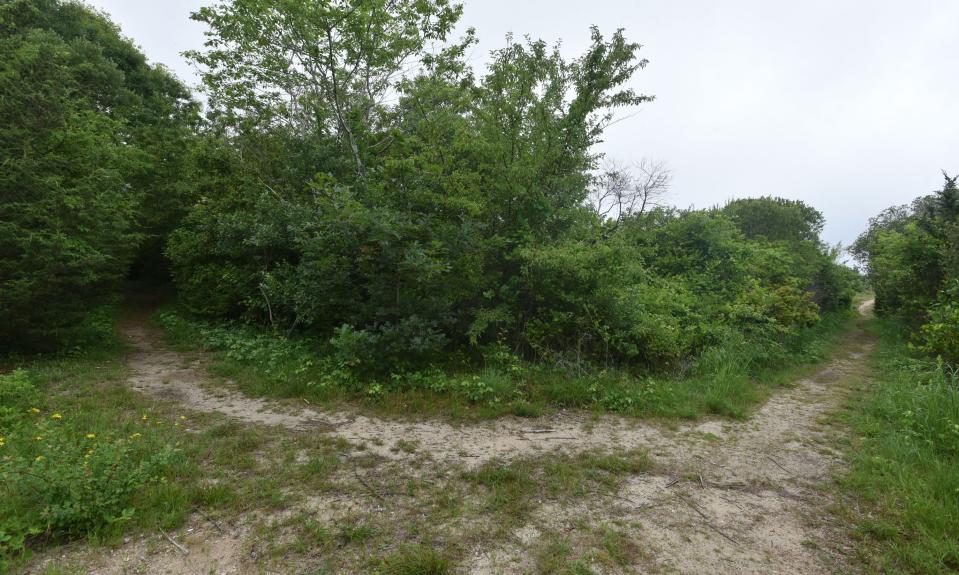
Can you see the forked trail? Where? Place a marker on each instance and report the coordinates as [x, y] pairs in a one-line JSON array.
[[726, 497]]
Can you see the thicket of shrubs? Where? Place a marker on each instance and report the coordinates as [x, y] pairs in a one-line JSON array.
[[455, 216], [92, 143], [404, 217], [912, 259]]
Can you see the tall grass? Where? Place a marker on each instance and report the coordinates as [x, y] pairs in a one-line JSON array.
[[905, 466]]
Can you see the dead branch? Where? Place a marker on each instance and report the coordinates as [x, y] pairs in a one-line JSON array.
[[179, 547]]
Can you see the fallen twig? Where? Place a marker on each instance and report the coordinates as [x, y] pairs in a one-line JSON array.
[[706, 519], [210, 519], [779, 465], [672, 482], [179, 547], [369, 488]]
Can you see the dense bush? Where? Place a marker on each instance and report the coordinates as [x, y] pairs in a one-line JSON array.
[[410, 231], [910, 254], [92, 142]]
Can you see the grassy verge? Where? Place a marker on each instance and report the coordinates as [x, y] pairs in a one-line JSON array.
[[82, 457], [728, 380], [904, 479], [79, 458]]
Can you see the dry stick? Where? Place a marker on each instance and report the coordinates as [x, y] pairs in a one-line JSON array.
[[179, 547], [706, 519], [210, 519], [367, 485], [770, 458], [672, 482], [536, 431]]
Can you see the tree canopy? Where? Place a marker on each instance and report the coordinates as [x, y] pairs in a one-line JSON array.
[[355, 181], [91, 138]]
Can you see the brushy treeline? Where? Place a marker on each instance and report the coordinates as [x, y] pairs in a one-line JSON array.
[[92, 147], [358, 212], [356, 181], [911, 254]]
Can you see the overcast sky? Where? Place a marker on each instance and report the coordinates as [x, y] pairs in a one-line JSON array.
[[849, 105]]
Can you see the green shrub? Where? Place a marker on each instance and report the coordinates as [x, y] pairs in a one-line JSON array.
[[940, 335], [88, 130], [17, 396]]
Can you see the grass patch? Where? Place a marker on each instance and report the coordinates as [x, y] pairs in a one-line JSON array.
[[416, 560], [109, 460], [82, 458], [905, 462], [512, 491]]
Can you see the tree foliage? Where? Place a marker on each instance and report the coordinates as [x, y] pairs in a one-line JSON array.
[[89, 140], [438, 211], [357, 182], [910, 253]]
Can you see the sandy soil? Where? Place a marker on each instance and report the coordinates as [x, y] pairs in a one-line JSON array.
[[727, 497]]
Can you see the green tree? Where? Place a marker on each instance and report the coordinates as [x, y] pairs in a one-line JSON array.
[[776, 219], [322, 67], [88, 135]]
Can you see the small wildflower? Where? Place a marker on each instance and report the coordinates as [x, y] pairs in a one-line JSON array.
[[39, 438], [3, 441], [34, 410], [144, 418], [39, 458], [135, 435], [91, 436], [56, 416], [88, 454], [183, 417]]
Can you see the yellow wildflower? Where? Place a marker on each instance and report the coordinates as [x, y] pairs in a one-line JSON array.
[[3, 441], [39, 438], [34, 410], [56, 416], [91, 436], [144, 418], [182, 417], [39, 458], [135, 436], [87, 454]]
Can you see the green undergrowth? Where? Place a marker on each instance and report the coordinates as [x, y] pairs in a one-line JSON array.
[[904, 478], [78, 459], [728, 380], [83, 457]]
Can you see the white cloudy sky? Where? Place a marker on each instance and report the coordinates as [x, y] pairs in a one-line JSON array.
[[849, 105]]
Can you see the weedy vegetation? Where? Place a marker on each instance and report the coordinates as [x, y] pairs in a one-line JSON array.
[[355, 217]]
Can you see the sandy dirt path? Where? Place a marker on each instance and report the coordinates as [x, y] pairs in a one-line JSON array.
[[726, 496], [732, 497]]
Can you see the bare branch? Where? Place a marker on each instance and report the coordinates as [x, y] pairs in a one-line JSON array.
[[623, 191]]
